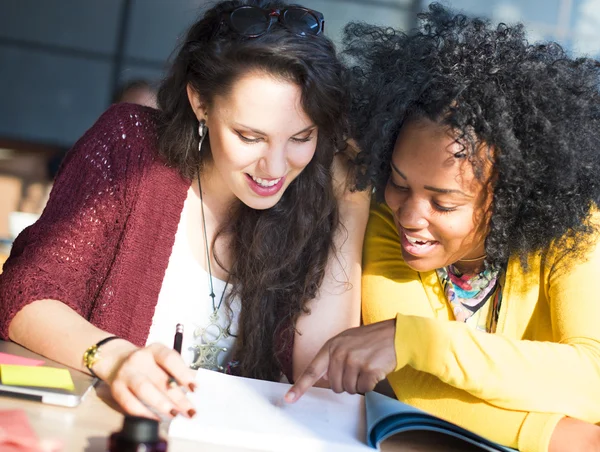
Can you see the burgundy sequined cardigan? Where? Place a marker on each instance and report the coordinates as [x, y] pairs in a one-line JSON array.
[[103, 242]]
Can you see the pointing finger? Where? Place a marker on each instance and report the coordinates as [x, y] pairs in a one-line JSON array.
[[313, 373]]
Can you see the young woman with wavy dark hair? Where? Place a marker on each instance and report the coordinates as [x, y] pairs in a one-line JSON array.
[[227, 211], [482, 255]]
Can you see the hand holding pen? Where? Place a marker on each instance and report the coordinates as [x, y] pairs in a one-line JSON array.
[[139, 381], [178, 339], [177, 342]]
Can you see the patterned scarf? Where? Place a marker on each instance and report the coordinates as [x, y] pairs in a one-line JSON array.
[[473, 296]]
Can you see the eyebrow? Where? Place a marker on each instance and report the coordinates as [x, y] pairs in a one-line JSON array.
[[446, 191], [260, 132], [395, 168], [434, 189]]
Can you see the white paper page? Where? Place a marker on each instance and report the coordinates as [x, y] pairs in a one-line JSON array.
[[242, 412]]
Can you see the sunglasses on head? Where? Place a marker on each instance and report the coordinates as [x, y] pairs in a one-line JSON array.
[[252, 21]]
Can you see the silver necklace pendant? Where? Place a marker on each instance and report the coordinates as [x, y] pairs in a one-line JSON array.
[[206, 354]]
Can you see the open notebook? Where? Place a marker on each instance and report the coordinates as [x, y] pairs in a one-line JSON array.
[[242, 412]]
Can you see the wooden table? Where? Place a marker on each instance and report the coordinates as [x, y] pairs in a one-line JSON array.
[[87, 427]]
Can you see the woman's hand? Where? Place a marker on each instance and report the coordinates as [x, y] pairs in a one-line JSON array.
[[573, 434], [353, 361], [139, 379]]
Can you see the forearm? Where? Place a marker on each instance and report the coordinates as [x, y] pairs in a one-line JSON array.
[[528, 432], [337, 306], [52, 329], [573, 434], [468, 360], [336, 309]]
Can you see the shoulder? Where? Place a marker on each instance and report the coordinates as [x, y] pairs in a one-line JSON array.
[[389, 285], [381, 216], [381, 239], [127, 113], [344, 180], [562, 259], [382, 253], [122, 118], [117, 149], [565, 254], [122, 135]]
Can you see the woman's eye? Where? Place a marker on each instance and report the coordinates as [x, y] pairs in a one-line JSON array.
[[301, 140], [443, 208], [245, 139], [398, 187]]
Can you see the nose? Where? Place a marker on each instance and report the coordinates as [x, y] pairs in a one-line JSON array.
[[274, 162], [411, 215]]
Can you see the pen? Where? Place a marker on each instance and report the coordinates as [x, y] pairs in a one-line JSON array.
[[178, 339]]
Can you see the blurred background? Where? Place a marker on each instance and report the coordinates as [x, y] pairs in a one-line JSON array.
[[63, 62]]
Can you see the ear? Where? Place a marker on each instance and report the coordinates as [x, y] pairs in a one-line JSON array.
[[198, 106]]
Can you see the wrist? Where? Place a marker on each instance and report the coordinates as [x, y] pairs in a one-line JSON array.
[[402, 345], [108, 358], [390, 342]]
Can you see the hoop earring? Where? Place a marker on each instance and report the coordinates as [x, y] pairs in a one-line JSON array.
[[202, 131]]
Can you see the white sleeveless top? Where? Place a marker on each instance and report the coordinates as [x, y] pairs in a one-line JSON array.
[[184, 298]]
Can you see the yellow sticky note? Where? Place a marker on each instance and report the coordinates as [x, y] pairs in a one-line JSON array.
[[42, 376]]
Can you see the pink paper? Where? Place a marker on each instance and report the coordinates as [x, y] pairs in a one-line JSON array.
[[6, 358], [16, 434]]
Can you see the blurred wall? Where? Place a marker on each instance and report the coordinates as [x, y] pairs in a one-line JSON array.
[[573, 23], [61, 60]]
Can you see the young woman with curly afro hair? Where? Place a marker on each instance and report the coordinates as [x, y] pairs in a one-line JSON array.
[[480, 296]]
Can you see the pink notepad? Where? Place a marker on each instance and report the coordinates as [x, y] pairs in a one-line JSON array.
[[7, 358], [16, 434]]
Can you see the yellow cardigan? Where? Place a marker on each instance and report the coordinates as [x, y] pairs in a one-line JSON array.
[[513, 386]]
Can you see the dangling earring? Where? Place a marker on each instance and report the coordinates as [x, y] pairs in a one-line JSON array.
[[202, 130]]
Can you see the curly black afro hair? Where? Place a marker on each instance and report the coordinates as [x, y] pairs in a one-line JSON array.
[[534, 105]]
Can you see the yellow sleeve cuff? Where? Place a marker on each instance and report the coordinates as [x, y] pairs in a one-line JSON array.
[[400, 345], [536, 431], [412, 342], [419, 342]]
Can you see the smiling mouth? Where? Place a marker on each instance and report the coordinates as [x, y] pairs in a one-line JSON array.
[[418, 242], [417, 246], [265, 187], [266, 183]]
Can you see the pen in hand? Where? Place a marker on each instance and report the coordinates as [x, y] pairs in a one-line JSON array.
[[177, 341], [178, 338], [172, 382]]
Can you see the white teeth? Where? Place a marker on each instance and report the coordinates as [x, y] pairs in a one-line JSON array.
[[265, 183], [416, 241]]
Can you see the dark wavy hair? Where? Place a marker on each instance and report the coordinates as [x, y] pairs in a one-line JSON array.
[[278, 255], [535, 107]]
